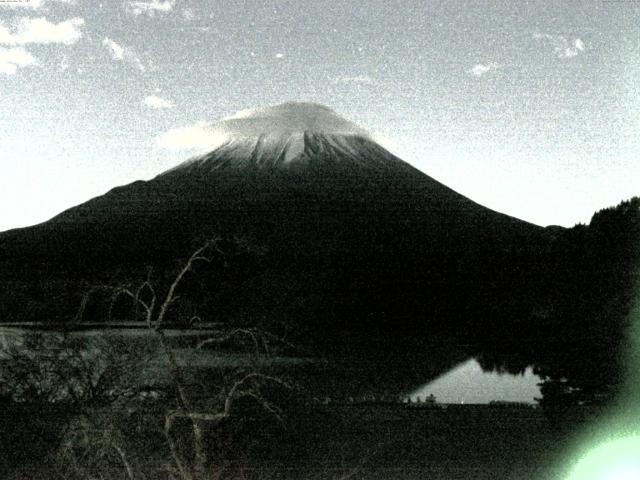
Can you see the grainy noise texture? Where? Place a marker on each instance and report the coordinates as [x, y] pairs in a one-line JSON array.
[[319, 240]]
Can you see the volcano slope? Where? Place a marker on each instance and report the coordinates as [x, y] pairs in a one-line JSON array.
[[352, 238]]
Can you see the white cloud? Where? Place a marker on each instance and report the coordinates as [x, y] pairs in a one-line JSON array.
[[34, 4], [13, 58], [188, 14], [573, 50], [244, 113], [123, 54], [279, 55], [562, 47], [357, 80], [155, 101], [150, 7], [199, 136], [40, 30], [116, 51], [284, 119], [277, 120], [481, 68], [5, 35]]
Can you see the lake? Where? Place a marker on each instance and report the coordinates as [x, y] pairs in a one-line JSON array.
[[133, 354]]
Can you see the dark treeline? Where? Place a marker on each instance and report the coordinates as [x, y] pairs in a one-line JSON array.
[[578, 333]]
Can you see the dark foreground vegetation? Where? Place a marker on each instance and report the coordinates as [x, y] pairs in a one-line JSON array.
[[577, 334], [556, 300], [125, 440]]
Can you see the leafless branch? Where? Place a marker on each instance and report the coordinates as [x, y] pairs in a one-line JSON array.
[[86, 298], [125, 462], [197, 418], [240, 385], [171, 297]]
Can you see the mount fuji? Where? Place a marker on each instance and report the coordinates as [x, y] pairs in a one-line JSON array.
[[348, 252], [350, 237]]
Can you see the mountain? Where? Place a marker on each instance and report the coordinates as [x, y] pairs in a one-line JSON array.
[[345, 237], [331, 241]]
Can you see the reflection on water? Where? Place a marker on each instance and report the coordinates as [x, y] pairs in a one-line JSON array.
[[132, 358], [119, 381], [468, 383]]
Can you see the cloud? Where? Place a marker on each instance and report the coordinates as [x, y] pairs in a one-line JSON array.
[[291, 118], [562, 46], [116, 51], [198, 136], [355, 80], [285, 119], [42, 31], [573, 50], [482, 68], [188, 14], [155, 101], [123, 54], [13, 58], [34, 31], [279, 55], [34, 4], [150, 7]]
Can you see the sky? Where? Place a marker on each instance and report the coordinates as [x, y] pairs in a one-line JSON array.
[[531, 108]]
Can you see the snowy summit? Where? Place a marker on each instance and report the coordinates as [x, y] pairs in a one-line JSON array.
[[293, 132], [287, 118]]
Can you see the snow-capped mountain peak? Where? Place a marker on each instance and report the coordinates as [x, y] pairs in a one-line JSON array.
[[286, 134], [286, 118]]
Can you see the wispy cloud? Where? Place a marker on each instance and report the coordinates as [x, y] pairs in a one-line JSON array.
[[123, 54], [574, 49], [150, 7], [198, 136], [34, 4], [40, 30], [355, 80], [188, 14], [116, 51], [483, 68], [13, 58], [562, 46], [154, 101]]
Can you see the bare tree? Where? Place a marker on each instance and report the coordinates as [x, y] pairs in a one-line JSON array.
[[237, 384]]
